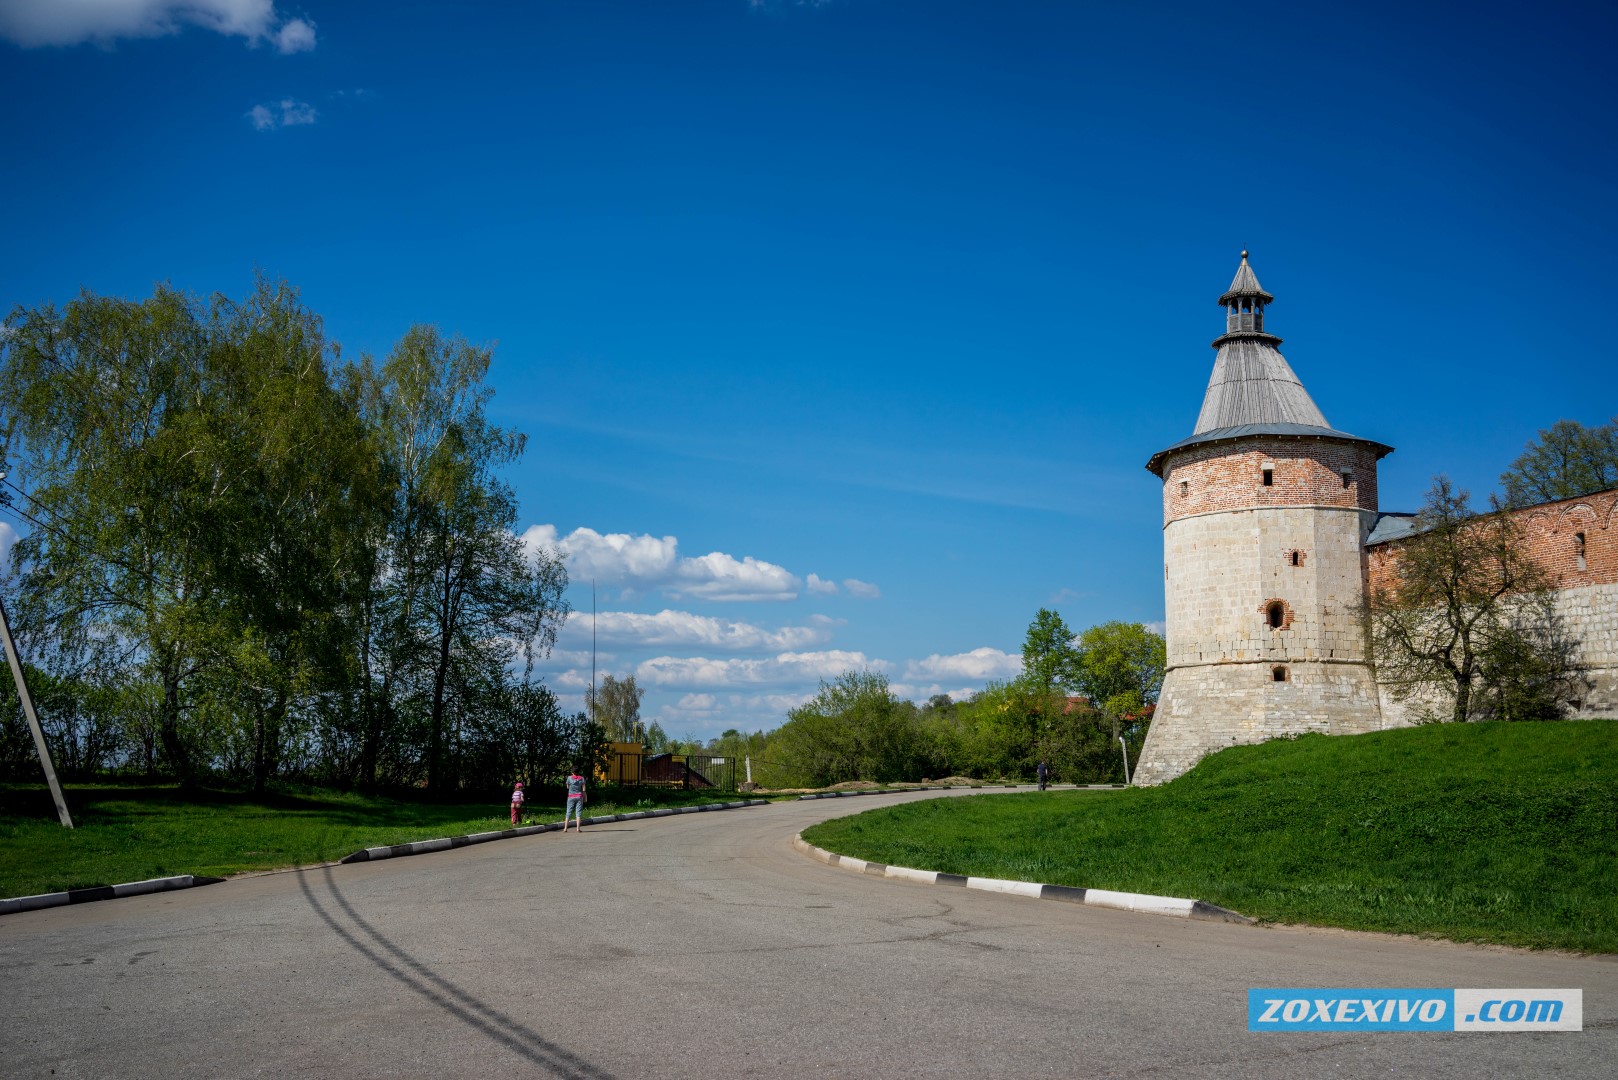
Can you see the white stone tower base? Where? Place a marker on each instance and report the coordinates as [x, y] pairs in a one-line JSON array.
[[1208, 707]]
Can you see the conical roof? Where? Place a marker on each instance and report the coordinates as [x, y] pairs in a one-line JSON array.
[[1245, 285], [1252, 383], [1253, 390]]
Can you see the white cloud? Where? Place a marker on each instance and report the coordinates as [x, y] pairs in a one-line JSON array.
[[572, 679], [34, 23], [295, 36], [919, 693], [717, 576], [980, 665], [749, 712], [8, 537], [283, 113], [668, 628], [862, 589], [649, 562], [789, 667], [1159, 627], [818, 584]]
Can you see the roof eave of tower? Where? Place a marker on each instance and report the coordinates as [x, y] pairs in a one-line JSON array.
[[1245, 294], [1249, 431]]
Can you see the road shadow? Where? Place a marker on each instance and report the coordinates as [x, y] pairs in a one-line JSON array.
[[372, 944]]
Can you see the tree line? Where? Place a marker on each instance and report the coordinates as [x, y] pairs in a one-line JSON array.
[[248, 556], [1076, 697]]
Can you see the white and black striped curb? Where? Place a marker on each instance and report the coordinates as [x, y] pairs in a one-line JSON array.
[[959, 787], [900, 790], [421, 847], [104, 892], [1155, 905]]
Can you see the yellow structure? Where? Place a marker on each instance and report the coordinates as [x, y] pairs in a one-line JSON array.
[[622, 765]]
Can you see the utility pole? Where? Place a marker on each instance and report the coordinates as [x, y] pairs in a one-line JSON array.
[[592, 650], [33, 717]]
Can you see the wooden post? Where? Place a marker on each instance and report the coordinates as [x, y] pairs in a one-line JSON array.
[[33, 718]]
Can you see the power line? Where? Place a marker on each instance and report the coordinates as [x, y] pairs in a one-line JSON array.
[[23, 515]]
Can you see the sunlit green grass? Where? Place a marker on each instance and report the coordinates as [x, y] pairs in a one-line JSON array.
[[1501, 833], [128, 832]]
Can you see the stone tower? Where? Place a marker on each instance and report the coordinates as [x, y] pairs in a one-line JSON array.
[[1266, 509]]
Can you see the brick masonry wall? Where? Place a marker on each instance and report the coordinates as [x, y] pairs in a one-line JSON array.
[[1304, 472], [1587, 596], [1551, 533]]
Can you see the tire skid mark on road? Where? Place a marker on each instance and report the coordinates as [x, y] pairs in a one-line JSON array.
[[433, 987]]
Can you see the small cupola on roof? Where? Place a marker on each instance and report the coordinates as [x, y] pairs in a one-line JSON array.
[[1253, 390], [1244, 303]]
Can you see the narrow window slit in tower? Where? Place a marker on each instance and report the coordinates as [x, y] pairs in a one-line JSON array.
[[1269, 477], [1185, 488], [1277, 615], [1295, 557], [1279, 674], [1348, 478], [1578, 551]]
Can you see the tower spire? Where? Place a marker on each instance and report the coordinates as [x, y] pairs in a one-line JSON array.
[[1252, 390], [1252, 383]]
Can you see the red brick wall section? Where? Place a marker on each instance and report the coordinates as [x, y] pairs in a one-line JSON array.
[[1230, 476], [1551, 532]]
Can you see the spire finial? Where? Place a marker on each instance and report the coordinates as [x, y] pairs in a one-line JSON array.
[[1244, 253]]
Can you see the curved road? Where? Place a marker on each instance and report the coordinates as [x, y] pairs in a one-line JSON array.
[[705, 946]]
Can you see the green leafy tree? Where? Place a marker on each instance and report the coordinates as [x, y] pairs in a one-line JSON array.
[[106, 407], [1120, 670], [452, 588], [853, 729], [1565, 461], [657, 740], [292, 546], [1049, 660], [615, 704]]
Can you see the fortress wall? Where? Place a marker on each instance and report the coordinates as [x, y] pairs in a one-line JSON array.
[[1587, 588]]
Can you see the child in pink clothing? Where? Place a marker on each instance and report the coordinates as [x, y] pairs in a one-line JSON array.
[[516, 803]]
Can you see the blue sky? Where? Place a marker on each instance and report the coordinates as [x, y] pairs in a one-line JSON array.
[[897, 294]]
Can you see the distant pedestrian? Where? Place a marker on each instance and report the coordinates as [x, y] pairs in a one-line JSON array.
[[516, 803], [575, 801], [1044, 774]]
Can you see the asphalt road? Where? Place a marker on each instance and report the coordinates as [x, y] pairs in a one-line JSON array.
[[705, 946]]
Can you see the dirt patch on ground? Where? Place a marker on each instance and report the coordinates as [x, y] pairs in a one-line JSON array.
[[855, 785]]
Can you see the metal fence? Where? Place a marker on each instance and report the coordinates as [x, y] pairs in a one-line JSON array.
[[689, 772]]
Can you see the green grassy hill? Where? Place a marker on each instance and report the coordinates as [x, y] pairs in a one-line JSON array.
[[1479, 832]]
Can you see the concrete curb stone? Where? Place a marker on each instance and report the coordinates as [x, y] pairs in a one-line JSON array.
[[422, 847], [1142, 902], [104, 892], [956, 787]]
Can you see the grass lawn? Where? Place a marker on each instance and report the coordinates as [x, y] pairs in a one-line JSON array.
[[1502, 833], [130, 832]]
